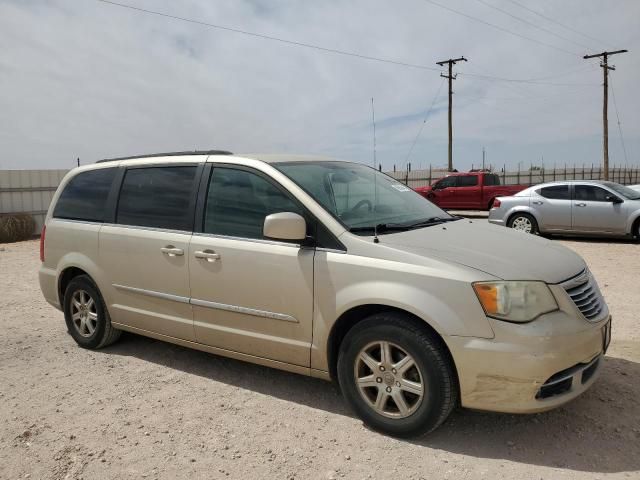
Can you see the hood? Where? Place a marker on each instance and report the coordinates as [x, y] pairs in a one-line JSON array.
[[498, 251]]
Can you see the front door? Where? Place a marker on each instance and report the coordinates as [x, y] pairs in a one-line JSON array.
[[144, 254], [594, 211], [444, 192], [250, 294]]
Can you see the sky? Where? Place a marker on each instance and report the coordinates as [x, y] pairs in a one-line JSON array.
[[90, 80]]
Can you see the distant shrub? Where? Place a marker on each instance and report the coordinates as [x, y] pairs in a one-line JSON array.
[[16, 227]]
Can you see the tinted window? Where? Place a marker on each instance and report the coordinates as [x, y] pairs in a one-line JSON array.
[[447, 182], [491, 179], [467, 181], [560, 192], [85, 196], [238, 201], [591, 193], [157, 197]]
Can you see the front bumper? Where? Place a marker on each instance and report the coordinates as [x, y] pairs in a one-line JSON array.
[[529, 368]]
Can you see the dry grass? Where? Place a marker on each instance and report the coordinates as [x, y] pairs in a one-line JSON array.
[[16, 227]]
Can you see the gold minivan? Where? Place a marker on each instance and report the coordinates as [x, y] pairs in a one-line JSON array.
[[324, 268]]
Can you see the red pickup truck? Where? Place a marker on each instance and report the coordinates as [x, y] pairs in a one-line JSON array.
[[472, 190]]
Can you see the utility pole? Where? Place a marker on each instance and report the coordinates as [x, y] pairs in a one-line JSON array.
[[483, 159], [605, 105], [451, 62]]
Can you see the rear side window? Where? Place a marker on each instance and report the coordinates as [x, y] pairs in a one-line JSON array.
[[85, 196], [558, 192], [491, 179], [238, 202], [467, 181], [159, 197]]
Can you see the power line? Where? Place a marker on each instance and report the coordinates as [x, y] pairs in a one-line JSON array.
[[272, 38], [497, 27], [556, 22], [532, 24], [615, 104], [315, 47], [532, 81], [426, 116]]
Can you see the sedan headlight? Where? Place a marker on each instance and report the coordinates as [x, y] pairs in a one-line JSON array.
[[515, 301]]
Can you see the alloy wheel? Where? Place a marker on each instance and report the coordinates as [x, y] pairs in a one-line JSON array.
[[522, 224], [389, 380], [84, 313]]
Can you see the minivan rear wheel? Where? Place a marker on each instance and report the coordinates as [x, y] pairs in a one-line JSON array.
[[86, 316], [396, 375]]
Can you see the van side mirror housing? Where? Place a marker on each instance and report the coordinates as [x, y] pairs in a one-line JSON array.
[[613, 199], [285, 226]]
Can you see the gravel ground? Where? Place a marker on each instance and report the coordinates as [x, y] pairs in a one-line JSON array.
[[147, 409]]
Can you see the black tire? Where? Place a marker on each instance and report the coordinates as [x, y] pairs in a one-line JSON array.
[[432, 361], [103, 333], [530, 218]]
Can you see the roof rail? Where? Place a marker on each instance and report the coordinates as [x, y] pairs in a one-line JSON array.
[[169, 154]]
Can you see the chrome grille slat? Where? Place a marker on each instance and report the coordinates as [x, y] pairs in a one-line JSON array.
[[586, 296]]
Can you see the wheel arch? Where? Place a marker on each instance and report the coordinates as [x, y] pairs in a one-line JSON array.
[[66, 275], [348, 319], [634, 223], [520, 210]]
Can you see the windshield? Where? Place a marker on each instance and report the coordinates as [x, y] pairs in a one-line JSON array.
[[362, 198], [622, 190]]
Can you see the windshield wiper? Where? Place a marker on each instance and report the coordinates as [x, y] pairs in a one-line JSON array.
[[431, 221], [403, 227], [381, 228]]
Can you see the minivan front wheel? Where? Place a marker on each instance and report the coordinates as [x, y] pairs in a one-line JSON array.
[[396, 376], [86, 316]]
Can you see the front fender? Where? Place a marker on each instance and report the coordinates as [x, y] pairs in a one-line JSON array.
[[631, 221]]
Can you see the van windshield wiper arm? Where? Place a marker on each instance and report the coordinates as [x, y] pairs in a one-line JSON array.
[[431, 221], [402, 227]]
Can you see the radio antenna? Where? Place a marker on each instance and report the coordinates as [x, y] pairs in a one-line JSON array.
[[375, 175]]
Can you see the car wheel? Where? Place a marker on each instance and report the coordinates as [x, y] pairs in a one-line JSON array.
[[87, 318], [397, 376], [523, 222]]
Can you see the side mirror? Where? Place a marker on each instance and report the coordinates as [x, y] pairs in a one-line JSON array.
[[612, 199], [285, 226], [436, 186]]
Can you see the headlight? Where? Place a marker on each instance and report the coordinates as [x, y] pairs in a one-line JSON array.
[[515, 301]]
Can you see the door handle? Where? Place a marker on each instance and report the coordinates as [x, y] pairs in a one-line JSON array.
[[172, 251], [208, 255], [581, 204]]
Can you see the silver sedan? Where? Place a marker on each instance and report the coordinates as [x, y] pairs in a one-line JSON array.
[[572, 207]]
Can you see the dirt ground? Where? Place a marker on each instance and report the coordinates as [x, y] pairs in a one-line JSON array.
[[147, 409]]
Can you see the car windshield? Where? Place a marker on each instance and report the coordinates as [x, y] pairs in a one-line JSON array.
[[362, 198], [622, 190]]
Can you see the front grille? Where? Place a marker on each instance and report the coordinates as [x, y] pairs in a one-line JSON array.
[[586, 295]]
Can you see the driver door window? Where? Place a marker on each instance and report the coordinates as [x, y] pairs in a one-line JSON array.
[[238, 202], [446, 182]]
